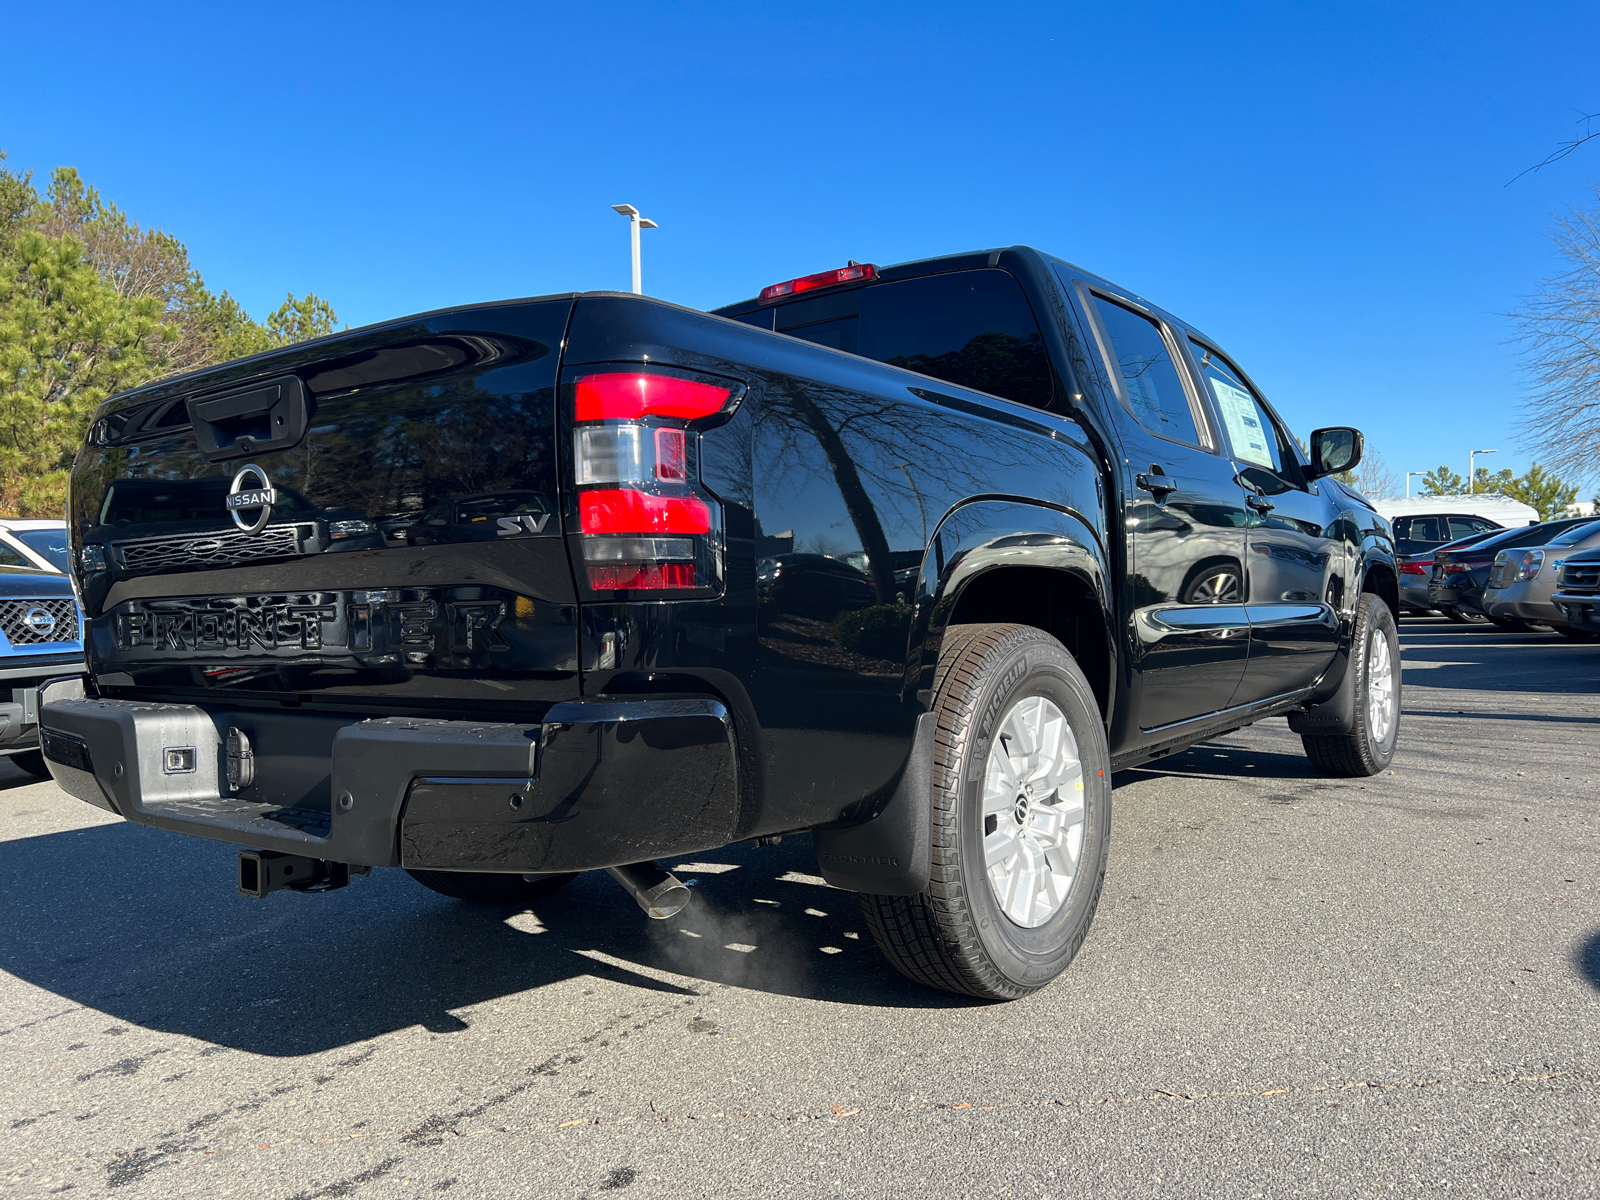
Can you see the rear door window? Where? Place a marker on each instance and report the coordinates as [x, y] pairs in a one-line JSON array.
[[1151, 386], [1461, 527]]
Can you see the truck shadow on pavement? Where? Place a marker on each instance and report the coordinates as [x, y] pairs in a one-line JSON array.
[[1223, 760], [1588, 959], [149, 929]]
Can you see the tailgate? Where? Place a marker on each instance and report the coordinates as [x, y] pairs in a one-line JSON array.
[[373, 516]]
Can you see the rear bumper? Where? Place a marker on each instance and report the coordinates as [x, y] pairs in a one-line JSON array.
[[1414, 592], [1581, 612], [598, 783], [1510, 604], [19, 697], [1468, 598]]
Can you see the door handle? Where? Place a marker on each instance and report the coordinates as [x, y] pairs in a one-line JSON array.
[[251, 420], [1157, 485], [1259, 502]]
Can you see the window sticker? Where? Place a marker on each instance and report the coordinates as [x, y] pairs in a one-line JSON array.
[[1243, 419]]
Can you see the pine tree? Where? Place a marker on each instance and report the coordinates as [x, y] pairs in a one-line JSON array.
[[1443, 482], [92, 304]]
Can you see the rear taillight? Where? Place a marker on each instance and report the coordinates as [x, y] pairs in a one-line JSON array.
[[1413, 568], [644, 521], [1530, 565], [622, 396]]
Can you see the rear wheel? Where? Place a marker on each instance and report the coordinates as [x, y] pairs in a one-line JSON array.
[[1021, 820], [488, 887], [1374, 674], [31, 761], [1576, 635]]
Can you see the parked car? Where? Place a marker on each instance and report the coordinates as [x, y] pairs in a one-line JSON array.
[[1459, 575], [1578, 591], [1416, 571], [812, 585], [34, 543], [574, 668], [43, 641], [1522, 582]]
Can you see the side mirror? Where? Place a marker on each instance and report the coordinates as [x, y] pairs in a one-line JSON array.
[[1334, 450]]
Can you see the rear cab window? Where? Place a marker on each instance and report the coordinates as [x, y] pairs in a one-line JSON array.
[[974, 329]]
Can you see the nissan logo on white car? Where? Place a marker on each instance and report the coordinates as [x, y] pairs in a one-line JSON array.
[[242, 499], [39, 620]]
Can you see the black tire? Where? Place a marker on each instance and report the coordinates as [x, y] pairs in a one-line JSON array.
[[31, 761], [1456, 615], [1360, 752], [1576, 635], [491, 888], [1511, 624], [955, 936]]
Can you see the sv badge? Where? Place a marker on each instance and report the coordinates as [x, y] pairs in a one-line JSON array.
[[511, 526]]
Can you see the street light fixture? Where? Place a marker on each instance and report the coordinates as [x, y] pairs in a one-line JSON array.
[[1409, 474], [636, 223], [1472, 479]]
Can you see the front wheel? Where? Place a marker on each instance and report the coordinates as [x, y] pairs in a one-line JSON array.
[[489, 887], [1021, 810], [1374, 674]]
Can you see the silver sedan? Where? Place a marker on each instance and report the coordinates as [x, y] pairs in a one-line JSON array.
[[1522, 581]]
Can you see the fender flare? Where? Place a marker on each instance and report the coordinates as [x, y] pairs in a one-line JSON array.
[[888, 854]]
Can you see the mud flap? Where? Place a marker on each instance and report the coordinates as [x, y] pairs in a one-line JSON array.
[[1335, 715], [888, 855]]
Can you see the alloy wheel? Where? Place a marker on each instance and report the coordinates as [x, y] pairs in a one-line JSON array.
[[1380, 687], [1033, 812]]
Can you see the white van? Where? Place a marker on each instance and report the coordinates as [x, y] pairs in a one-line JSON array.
[[1497, 507]]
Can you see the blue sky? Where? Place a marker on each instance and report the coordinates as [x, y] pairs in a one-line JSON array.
[[1322, 188]]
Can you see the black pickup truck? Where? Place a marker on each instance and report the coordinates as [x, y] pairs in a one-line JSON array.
[[910, 558]]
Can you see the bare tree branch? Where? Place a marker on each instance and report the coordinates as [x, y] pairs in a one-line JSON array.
[[1564, 149], [1560, 336]]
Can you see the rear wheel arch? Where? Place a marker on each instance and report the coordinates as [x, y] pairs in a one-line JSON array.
[[1063, 603]]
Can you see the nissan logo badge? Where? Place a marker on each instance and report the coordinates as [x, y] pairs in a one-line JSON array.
[[241, 499], [39, 620]]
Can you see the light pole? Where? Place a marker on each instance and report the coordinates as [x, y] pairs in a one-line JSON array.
[[636, 223], [1409, 474], [1472, 481]]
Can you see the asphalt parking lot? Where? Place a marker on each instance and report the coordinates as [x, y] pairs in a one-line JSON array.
[[1295, 986]]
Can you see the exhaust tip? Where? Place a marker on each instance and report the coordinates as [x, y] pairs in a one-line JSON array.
[[660, 893]]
